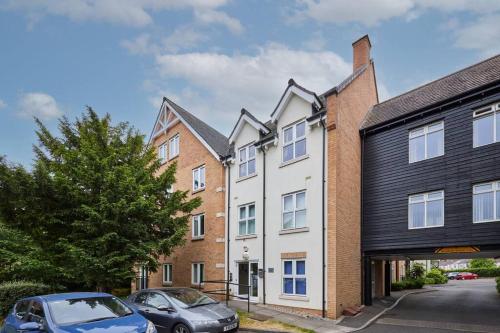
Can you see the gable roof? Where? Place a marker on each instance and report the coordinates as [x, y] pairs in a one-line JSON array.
[[246, 116], [440, 90], [216, 142]]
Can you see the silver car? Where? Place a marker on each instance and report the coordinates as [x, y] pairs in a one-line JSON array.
[[184, 310]]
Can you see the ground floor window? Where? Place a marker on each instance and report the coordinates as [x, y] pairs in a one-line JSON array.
[[294, 277], [198, 273], [167, 273]]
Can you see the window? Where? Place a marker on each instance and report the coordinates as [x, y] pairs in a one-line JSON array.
[[486, 202], [198, 226], [169, 191], [427, 142], [294, 277], [426, 210], [156, 300], [36, 313], [22, 308], [246, 222], [247, 161], [294, 141], [162, 152], [486, 125], [198, 273], [167, 273], [294, 210], [199, 178], [173, 146], [141, 298]]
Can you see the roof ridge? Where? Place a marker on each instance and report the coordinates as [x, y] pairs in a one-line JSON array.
[[439, 79]]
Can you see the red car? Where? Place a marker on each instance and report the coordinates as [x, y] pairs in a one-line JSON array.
[[466, 276]]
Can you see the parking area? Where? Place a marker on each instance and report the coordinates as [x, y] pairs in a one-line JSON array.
[[463, 306]]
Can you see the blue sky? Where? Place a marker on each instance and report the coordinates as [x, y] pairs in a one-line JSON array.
[[214, 57]]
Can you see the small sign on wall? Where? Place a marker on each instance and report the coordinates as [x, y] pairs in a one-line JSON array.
[[270, 269]]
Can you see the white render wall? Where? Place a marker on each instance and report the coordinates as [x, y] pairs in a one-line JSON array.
[[305, 174]]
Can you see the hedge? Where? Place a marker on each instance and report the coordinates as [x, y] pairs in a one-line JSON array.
[[482, 272], [408, 284], [498, 284], [11, 292]]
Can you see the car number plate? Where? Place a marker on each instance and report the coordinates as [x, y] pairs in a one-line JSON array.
[[230, 327]]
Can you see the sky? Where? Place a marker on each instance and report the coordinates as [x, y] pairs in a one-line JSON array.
[[214, 57]]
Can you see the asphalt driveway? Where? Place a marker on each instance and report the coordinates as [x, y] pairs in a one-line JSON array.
[[459, 306]]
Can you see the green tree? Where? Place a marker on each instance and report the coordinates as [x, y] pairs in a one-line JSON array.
[[94, 202], [482, 263]]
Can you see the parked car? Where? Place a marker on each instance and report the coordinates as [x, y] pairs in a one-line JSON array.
[[75, 313], [466, 276], [452, 275], [184, 310]]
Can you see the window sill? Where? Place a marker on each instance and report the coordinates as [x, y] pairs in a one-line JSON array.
[[485, 221], [426, 159], [240, 179], [167, 283], [294, 298], [198, 238], [293, 231], [246, 237], [198, 190], [195, 285], [429, 227], [173, 157], [295, 160]]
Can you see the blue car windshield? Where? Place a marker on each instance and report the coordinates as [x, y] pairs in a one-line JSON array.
[[86, 310]]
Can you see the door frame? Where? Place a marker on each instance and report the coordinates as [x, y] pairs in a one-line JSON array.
[[253, 299]]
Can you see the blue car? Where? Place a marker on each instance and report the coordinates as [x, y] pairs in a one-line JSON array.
[[75, 313]]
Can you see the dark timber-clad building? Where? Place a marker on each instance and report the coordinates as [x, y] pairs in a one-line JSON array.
[[431, 174]]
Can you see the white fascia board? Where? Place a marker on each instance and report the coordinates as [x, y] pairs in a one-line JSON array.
[[293, 90], [241, 122]]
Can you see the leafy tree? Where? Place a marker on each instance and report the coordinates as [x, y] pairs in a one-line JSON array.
[[417, 271], [95, 203], [482, 263]]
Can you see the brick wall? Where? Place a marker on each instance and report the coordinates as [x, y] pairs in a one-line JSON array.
[[346, 110], [210, 250]]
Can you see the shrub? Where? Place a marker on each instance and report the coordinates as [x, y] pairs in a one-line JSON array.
[[120, 292], [437, 276], [408, 284], [498, 284], [429, 280], [397, 286], [482, 263], [417, 271], [11, 292]]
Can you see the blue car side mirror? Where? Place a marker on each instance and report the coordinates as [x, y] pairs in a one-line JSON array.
[[31, 326]]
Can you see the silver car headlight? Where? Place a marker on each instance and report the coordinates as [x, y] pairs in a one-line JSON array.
[[205, 322], [151, 328]]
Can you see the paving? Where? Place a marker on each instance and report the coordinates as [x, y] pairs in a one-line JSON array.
[[459, 306]]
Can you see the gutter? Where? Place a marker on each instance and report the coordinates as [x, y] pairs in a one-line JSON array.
[[323, 266]]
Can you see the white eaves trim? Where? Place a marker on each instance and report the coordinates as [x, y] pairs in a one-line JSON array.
[[241, 122], [293, 90]]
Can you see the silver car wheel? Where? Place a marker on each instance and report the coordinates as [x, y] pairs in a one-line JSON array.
[[181, 329]]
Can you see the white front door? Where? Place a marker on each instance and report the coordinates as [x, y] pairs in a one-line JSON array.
[[248, 275]]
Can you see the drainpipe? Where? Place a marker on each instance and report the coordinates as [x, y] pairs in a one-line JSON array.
[[263, 224], [228, 226], [323, 267]]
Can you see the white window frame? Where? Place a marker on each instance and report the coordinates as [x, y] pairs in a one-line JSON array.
[[169, 191], [197, 176], [246, 160], [173, 146], [246, 219], [293, 276], [495, 189], [425, 131], [426, 200], [162, 152], [490, 110], [197, 222], [199, 276], [294, 210], [294, 141], [167, 274]]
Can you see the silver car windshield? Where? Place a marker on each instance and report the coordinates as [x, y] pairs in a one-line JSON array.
[[86, 310], [189, 298]]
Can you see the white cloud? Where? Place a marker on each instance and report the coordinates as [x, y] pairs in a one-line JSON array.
[[38, 105], [140, 45], [2, 104], [183, 38], [226, 83], [482, 35], [135, 13]]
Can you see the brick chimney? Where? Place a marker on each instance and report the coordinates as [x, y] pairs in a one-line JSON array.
[[361, 52]]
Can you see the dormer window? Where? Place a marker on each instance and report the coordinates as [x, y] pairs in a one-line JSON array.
[[247, 161], [294, 141]]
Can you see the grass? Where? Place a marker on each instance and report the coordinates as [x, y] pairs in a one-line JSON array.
[[268, 325]]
